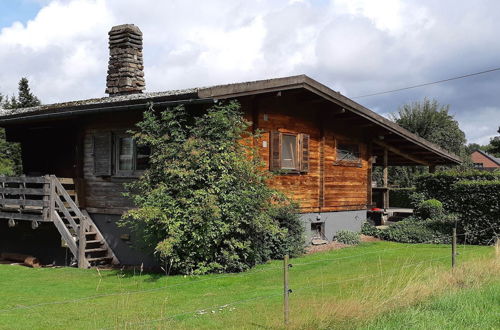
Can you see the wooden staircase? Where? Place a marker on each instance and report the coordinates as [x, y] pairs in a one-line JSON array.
[[46, 199], [86, 242]]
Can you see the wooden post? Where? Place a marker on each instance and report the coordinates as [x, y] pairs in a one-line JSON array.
[[454, 248], [497, 247], [286, 291], [386, 179], [52, 202], [82, 242]]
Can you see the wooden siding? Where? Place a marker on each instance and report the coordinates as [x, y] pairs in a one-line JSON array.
[[104, 194], [327, 186]]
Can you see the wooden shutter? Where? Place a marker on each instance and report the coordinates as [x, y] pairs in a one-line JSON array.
[[304, 152], [275, 151], [103, 153]]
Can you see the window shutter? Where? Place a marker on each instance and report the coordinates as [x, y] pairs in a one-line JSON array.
[[304, 152], [275, 151], [103, 153]]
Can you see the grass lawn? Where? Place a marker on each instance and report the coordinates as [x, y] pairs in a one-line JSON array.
[[476, 308], [342, 288]]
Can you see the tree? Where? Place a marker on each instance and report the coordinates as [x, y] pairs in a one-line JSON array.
[[204, 205], [24, 99], [494, 146], [431, 121], [10, 153]]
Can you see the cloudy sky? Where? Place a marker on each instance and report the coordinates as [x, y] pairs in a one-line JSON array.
[[357, 47]]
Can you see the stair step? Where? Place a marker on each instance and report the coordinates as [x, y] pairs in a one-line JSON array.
[[91, 233], [96, 250], [99, 259], [94, 241]]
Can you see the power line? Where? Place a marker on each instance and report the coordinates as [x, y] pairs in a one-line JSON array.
[[429, 83]]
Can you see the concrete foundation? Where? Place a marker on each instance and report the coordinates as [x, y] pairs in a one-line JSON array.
[[121, 241], [331, 222]]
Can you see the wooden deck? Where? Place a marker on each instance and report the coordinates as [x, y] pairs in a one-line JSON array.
[[52, 199]]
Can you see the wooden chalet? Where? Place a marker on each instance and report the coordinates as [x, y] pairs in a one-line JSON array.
[[77, 156]]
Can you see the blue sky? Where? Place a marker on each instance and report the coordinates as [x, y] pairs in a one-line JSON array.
[[356, 47], [17, 10]]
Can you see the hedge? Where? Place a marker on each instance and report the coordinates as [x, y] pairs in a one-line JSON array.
[[440, 185], [479, 205], [400, 197]]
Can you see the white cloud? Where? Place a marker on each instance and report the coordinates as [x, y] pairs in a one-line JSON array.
[[355, 46]]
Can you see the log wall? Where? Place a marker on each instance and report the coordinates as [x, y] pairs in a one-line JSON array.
[[328, 185]]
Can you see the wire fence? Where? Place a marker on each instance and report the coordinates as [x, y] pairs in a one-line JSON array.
[[272, 292]]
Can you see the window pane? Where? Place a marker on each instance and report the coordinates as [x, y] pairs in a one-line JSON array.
[[125, 153], [348, 152], [289, 152], [142, 161]]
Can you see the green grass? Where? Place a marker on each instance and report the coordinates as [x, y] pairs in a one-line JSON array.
[[349, 284], [476, 308]]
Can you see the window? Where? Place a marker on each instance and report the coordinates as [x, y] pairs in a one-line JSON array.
[[116, 153], [130, 159], [348, 152], [478, 165], [289, 152]]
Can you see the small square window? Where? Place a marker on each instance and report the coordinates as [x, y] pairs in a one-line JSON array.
[[131, 159], [289, 152], [348, 152]]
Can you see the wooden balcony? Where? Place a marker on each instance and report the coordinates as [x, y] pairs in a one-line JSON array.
[[52, 199], [32, 198]]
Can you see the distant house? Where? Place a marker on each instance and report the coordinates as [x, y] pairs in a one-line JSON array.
[[77, 156], [484, 161]]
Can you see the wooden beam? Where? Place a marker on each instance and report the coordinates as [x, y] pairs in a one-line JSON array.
[[401, 153], [386, 178]]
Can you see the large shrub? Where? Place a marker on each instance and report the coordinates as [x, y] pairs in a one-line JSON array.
[[204, 205], [474, 195], [479, 203], [440, 185], [417, 230]]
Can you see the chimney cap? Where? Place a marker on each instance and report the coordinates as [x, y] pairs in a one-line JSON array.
[[125, 28]]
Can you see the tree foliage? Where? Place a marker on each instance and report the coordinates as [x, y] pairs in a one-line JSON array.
[[24, 98], [431, 121], [494, 146], [204, 205]]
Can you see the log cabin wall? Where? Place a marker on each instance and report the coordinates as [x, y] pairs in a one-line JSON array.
[[104, 193], [330, 184]]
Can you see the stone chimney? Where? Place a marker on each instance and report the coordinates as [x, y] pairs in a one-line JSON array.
[[125, 69]]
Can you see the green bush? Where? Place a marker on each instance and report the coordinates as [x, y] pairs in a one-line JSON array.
[[440, 185], [473, 194], [400, 197], [369, 229], [416, 230], [292, 239], [204, 205], [429, 209], [479, 205], [416, 199], [347, 237]]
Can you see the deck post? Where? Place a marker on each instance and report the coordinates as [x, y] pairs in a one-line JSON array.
[[81, 243], [386, 179], [51, 179]]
